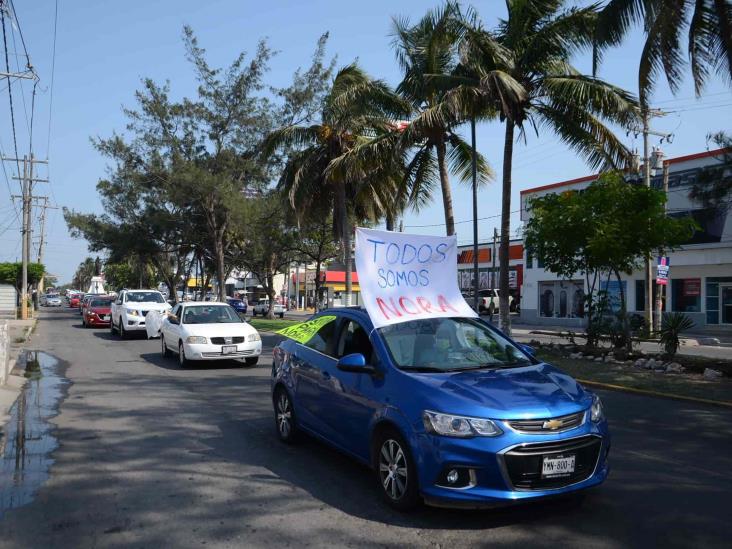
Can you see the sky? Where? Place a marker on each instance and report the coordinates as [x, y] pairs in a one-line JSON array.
[[104, 49]]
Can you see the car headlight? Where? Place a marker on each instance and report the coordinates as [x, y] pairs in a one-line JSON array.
[[596, 412], [254, 337], [459, 426], [133, 312], [196, 339]]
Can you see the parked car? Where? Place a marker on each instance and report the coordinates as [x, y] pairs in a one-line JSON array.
[[238, 305], [130, 308], [262, 307], [98, 312], [445, 410], [208, 331], [488, 301]]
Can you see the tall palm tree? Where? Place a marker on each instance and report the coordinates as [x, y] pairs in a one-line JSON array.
[[426, 53], [707, 23], [356, 109], [528, 55]]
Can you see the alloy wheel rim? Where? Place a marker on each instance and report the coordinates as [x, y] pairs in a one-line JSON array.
[[393, 469], [283, 415]]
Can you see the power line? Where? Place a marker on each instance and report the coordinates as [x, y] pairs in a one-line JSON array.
[[10, 90], [457, 222]]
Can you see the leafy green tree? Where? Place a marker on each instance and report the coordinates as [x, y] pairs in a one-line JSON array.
[[532, 53], [713, 188], [84, 273], [319, 171], [120, 275], [608, 229], [313, 243], [12, 273], [265, 243], [427, 55], [707, 25]]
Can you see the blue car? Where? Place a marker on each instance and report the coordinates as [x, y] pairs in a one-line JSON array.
[[237, 304], [448, 411]]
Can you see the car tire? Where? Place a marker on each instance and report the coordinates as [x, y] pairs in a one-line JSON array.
[[252, 361], [183, 362], [284, 416], [491, 309], [282, 315], [122, 331], [164, 348], [394, 470], [112, 329]]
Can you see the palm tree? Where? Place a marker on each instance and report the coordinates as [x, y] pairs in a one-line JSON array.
[[523, 68], [321, 171], [709, 38], [426, 53]]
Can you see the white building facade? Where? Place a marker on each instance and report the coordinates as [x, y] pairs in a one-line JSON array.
[[700, 275]]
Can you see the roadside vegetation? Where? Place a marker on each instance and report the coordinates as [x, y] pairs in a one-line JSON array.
[[237, 173]]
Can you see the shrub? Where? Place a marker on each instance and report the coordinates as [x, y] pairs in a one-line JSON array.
[[672, 326]]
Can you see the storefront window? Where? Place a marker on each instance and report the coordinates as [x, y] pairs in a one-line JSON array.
[[547, 303], [686, 295]]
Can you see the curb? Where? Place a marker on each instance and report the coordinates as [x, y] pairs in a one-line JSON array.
[[644, 392]]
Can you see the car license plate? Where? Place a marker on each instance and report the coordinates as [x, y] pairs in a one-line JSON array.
[[228, 349], [102, 317], [557, 466]]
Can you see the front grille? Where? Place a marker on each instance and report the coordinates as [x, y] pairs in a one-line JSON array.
[[548, 425], [524, 463], [230, 355], [222, 340]]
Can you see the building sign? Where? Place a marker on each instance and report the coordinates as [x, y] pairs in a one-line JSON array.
[[691, 287], [662, 271], [407, 277]]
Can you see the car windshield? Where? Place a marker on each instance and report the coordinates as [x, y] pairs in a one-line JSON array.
[[209, 314], [100, 302], [448, 345], [145, 297], [235, 301]]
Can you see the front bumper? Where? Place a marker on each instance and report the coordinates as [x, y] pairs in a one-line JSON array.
[[507, 469], [95, 320], [210, 351]]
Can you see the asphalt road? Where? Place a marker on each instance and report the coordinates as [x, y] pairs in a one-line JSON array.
[[151, 456]]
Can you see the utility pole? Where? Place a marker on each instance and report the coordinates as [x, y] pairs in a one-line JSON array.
[[42, 221], [493, 259], [661, 289], [26, 196], [476, 285], [647, 114]]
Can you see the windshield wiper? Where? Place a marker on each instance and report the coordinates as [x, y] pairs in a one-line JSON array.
[[423, 369]]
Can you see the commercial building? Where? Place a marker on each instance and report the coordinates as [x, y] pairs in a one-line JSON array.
[[488, 274], [700, 276]]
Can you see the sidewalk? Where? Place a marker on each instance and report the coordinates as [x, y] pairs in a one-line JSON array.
[[19, 332]]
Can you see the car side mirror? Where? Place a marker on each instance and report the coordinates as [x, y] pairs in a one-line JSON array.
[[355, 363], [173, 319], [528, 349]]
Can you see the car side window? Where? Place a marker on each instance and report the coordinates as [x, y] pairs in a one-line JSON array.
[[323, 340], [354, 339], [176, 310]]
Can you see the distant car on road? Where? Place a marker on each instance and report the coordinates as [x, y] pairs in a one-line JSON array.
[[51, 300], [262, 307], [131, 307], [238, 305], [97, 312], [75, 300], [209, 331]]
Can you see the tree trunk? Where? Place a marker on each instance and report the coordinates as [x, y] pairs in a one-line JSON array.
[[446, 191], [345, 227], [389, 222], [318, 265], [220, 274], [624, 315], [505, 319], [269, 287]]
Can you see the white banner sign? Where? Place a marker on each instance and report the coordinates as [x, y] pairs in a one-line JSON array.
[[406, 277]]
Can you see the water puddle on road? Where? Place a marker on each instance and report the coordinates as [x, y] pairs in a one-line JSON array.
[[27, 439]]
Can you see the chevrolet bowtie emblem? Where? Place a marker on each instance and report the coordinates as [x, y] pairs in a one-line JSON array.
[[552, 424]]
